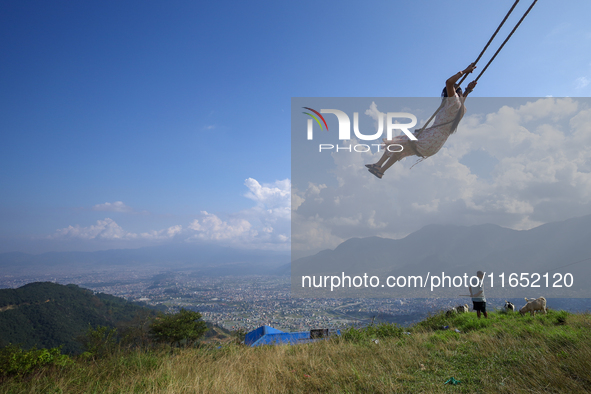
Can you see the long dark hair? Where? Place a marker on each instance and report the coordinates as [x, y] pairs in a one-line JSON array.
[[458, 90], [458, 117]]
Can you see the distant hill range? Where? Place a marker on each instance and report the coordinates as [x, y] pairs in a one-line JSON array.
[[459, 249], [209, 260]]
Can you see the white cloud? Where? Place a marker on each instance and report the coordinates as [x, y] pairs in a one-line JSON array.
[[270, 218], [103, 229], [274, 198], [542, 152], [117, 206], [581, 82], [108, 229], [376, 115], [265, 226], [312, 234], [211, 227], [163, 234]]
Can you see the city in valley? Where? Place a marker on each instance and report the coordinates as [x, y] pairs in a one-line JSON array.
[[247, 302], [241, 302]]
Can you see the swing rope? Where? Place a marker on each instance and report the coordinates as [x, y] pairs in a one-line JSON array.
[[491, 39], [507, 39], [480, 56]]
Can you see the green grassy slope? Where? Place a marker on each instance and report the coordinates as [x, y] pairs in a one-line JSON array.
[[505, 354]]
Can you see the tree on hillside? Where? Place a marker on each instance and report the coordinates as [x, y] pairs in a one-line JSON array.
[[183, 326], [100, 341], [136, 332]]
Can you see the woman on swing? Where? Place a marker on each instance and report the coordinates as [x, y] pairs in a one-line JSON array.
[[431, 139]]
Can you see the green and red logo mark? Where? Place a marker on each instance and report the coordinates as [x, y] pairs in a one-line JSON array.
[[315, 118]]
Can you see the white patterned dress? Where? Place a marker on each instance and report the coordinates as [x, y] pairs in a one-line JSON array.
[[430, 140]]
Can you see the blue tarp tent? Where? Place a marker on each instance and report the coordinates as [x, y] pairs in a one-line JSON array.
[[266, 335]]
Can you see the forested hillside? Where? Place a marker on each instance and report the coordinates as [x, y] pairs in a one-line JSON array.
[[45, 314]]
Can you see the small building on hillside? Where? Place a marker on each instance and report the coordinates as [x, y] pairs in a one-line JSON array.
[[266, 335]]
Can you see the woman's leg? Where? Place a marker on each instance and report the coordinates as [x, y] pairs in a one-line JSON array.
[[393, 159], [387, 154], [389, 158], [396, 156], [384, 157]]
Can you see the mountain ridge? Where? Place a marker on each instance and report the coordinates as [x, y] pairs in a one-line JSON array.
[[437, 248], [161, 256]]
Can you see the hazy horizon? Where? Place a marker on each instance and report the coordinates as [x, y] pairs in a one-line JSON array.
[[134, 124]]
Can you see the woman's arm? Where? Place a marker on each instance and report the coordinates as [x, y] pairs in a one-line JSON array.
[[469, 88], [449, 84]]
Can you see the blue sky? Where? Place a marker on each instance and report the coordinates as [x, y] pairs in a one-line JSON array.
[[151, 113]]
